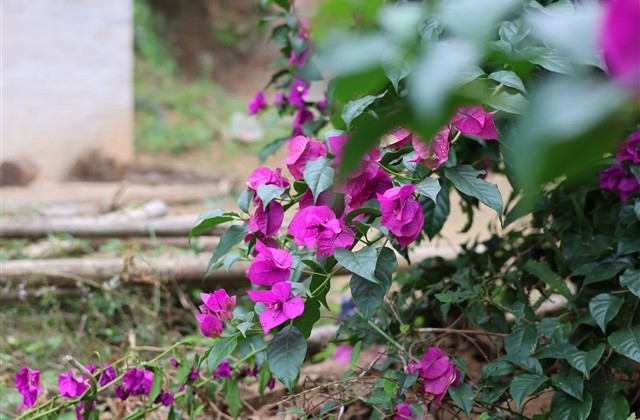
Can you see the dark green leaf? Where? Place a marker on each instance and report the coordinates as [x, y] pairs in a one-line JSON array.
[[497, 368], [544, 273], [491, 393], [271, 148], [599, 271], [603, 308], [367, 295], [627, 342], [631, 280], [309, 317], [285, 354], [524, 385], [221, 350], [228, 240], [571, 383], [429, 187], [466, 180], [232, 396], [361, 262], [244, 200], [269, 192], [210, 219], [318, 175], [156, 385], [508, 78], [522, 341], [353, 109], [577, 359], [319, 288], [526, 362], [565, 407], [615, 407], [463, 396], [362, 210], [630, 240], [436, 214]]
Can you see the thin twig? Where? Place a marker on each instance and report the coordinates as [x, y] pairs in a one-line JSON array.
[[73, 362]]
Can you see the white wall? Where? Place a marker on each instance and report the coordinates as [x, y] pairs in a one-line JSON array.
[[67, 74]]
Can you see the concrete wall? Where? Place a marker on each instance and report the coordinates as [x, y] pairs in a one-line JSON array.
[[67, 81]]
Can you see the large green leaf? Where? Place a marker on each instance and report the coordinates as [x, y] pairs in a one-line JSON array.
[[630, 240], [429, 187], [466, 180], [524, 385], [599, 271], [572, 383], [232, 237], [545, 274], [361, 262], [522, 341], [436, 214], [309, 317], [603, 308], [318, 174], [565, 407], [463, 396], [268, 193], [285, 354], [231, 392], [221, 350], [513, 103], [211, 218], [368, 295], [614, 407], [631, 280], [508, 78], [627, 342], [395, 64], [353, 109]]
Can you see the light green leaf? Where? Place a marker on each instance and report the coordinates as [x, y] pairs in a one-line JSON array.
[[466, 180], [429, 187], [631, 280], [353, 109], [513, 103], [268, 192], [156, 385], [603, 308], [396, 66], [232, 396], [221, 350], [361, 262], [285, 354], [524, 385], [508, 78], [228, 240], [627, 342], [318, 175], [210, 219]]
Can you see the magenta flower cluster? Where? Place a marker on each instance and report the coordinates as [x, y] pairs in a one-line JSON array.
[[437, 372], [619, 178], [217, 308]]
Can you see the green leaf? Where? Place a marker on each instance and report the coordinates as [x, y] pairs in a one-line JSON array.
[[631, 280], [627, 342], [361, 262], [353, 109], [577, 359], [513, 103], [309, 317], [271, 148], [508, 78], [429, 187], [156, 385], [524, 385], [210, 219], [526, 362], [551, 59], [232, 237], [230, 259], [466, 180], [565, 407], [463, 396], [368, 295], [551, 279], [268, 193], [395, 64], [244, 200], [285, 354], [232, 396], [630, 240], [436, 214], [318, 175], [355, 354], [603, 308], [615, 407], [599, 271], [571, 383], [221, 350], [497, 368], [522, 341]]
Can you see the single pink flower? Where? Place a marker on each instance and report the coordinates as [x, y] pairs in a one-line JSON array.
[[436, 152], [265, 176], [342, 354], [165, 398], [267, 221], [270, 266], [620, 41], [210, 325], [401, 213], [620, 180], [218, 303], [136, 381], [281, 306], [70, 386], [437, 371], [257, 104], [360, 190], [629, 150], [301, 151], [297, 92], [223, 370], [318, 225], [475, 121], [28, 385]]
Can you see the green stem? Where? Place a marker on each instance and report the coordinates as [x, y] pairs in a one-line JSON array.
[[398, 174], [382, 333]]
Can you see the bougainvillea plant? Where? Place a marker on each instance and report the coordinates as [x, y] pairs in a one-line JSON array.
[[426, 106]]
